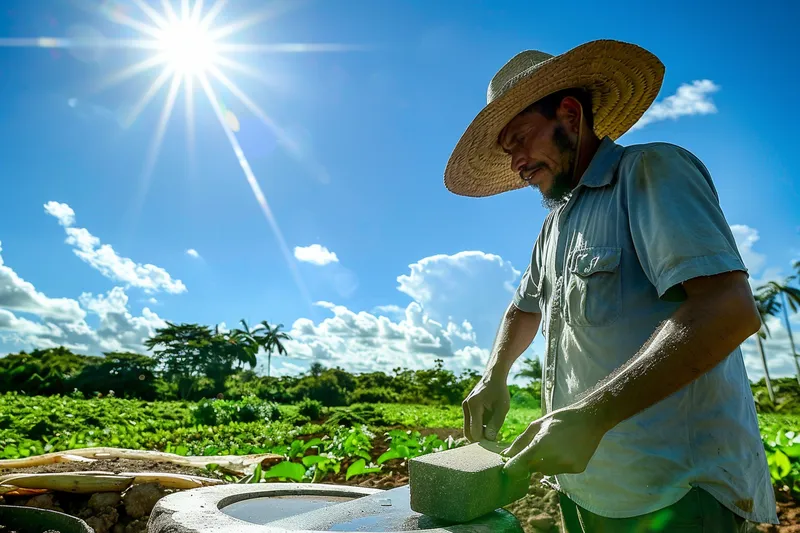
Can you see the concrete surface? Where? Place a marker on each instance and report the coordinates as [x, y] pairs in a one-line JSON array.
[[391, 511], [200, 511], [462, 484]]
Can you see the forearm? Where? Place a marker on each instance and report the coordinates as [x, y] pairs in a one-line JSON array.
[[699, 335], [517, 331]]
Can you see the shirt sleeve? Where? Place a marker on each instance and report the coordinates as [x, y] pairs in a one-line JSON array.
[[526, 297], [678, 229]]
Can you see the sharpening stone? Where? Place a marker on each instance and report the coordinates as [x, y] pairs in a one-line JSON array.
[[462, 483]]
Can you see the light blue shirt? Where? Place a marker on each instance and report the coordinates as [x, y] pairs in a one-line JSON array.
[[606, 270]]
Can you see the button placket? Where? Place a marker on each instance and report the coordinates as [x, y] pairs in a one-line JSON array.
[[554, 329], [556, 321]]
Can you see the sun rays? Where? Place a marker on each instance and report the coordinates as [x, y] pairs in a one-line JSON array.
[[187, 50]]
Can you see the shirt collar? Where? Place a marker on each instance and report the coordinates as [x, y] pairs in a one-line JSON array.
[[602, 168]]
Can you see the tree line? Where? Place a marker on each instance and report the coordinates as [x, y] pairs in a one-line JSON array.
[[776, 298], [194, 362]]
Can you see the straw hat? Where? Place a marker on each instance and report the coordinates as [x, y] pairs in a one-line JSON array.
[[623, 80]]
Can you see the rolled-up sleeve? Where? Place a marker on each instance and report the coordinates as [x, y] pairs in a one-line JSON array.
[[526, 297], [678, 228]]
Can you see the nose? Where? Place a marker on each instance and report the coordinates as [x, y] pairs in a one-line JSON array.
[[518, 160]]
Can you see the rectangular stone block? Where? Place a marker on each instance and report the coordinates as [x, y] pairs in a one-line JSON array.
[[461, 484]]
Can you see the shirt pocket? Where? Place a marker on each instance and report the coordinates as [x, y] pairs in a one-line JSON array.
[[594, 288]]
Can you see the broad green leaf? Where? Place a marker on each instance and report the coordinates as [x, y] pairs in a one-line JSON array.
[[403, 451], [286, 469], [355, 469], [312, 443], [310, 460], [182, 450], [792, 451], [359, 467], [388, 455], [779, 464]]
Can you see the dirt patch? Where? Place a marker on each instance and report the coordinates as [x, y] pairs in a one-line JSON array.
[[788, 515], [109, 465], [106, 512]]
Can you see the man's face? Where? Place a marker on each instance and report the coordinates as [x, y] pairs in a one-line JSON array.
[[542, 152]]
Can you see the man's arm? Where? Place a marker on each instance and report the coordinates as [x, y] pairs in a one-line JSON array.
[[717, 316], [489, 401], [517, 331]]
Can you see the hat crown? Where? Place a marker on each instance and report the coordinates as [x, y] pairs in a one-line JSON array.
[[517, 68]]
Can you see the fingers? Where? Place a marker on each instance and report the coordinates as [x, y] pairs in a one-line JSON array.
[[495, 422], [476, 422], [467, 417], [518, 466], [473, 418]]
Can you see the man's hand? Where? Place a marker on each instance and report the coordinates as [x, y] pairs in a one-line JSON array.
[[561, 442], [488, 405]]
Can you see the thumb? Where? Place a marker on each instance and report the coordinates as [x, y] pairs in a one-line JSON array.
[[518, 466]]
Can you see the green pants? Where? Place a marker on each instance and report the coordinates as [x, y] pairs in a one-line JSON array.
[[697, 512]]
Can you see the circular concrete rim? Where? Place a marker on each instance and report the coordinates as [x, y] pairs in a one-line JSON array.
[[199, 510]]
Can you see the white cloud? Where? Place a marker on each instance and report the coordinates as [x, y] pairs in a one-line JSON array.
[[457, 303], [746, 237], [390, 310], [191, 252], [776, 348], [315, 254], [62, 321], [63, 212], [105, 259], [469, 285], [17, 294], [690, 99], [152, 301], [119, 330], [364, 342]]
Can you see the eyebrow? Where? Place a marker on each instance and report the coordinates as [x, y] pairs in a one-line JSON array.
[[500, 139]]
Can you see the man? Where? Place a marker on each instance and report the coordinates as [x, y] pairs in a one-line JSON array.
[[648, 419]]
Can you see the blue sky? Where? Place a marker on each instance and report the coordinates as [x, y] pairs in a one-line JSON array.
[[393, 269]]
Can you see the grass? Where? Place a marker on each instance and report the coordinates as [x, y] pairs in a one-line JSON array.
[[35, 425]]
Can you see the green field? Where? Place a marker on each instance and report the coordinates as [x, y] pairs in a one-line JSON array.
[[338, 439], [32, 425]]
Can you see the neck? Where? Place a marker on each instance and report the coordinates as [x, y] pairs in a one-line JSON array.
[[587, 146]]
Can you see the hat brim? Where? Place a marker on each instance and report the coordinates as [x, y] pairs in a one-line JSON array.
[[623, 79]]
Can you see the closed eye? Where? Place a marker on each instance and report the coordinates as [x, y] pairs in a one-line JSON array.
[[515, 141]]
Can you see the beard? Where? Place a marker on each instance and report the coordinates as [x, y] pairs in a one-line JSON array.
[[561, 189]]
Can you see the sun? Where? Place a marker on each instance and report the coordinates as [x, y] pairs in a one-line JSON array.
[[187, 47], [191, 52]]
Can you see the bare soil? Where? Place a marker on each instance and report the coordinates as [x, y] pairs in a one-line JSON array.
[[110, 465]]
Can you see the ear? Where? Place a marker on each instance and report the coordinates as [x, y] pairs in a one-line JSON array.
[[570, 113]]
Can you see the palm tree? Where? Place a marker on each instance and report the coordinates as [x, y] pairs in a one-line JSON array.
[[269, 338], [791, 296], [246, 339], [316, 369], [767, 305], [531, 369]]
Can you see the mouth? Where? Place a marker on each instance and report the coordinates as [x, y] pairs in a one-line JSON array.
[[530, 177]]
